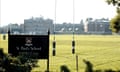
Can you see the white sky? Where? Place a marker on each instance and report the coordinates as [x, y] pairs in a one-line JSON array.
[[15, 11]]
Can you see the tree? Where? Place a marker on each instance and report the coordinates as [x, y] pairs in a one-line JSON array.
[[115, 22], [9, 63]]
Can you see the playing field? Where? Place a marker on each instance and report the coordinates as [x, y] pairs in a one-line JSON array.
[[101, 50]]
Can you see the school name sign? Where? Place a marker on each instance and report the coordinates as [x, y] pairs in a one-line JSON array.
[[31, 46]]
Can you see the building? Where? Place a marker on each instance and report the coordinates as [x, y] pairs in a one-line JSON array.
[[98, 26], [38, 25], [68, 28]]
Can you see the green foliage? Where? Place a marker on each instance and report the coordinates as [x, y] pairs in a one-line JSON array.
[[89, 66], [113, 2], [64, 68], [10, 63], [115, 22]]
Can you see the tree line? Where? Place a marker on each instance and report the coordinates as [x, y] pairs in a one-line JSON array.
[[115, 22]]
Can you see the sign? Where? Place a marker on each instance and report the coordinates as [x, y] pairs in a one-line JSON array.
[[31, 46]]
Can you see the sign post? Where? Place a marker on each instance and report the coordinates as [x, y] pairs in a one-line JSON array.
[[29, 46], [77, 63], [48, 55]]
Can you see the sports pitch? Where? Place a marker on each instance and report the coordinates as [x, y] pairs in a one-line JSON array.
[[101, 50]]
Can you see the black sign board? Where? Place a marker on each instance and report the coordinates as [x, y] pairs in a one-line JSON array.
[[33, 46]]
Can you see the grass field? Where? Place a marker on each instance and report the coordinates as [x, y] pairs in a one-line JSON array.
[[101, 50]]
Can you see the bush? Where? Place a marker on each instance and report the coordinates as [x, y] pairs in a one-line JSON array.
[[8, 63], [64, 68]]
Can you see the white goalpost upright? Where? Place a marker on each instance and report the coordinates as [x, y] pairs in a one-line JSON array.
[[54, 39], [73, 38]]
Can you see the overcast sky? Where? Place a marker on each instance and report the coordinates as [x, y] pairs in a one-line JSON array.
[[15, 11]]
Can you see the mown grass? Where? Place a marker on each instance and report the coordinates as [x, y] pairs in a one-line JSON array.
[[101, 50], [4, 43]]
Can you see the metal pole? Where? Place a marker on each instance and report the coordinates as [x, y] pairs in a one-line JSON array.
[[73, 41], [55, 18], [73, 17], [54, 42], [48, 54], [77, 63], [48, 64]]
